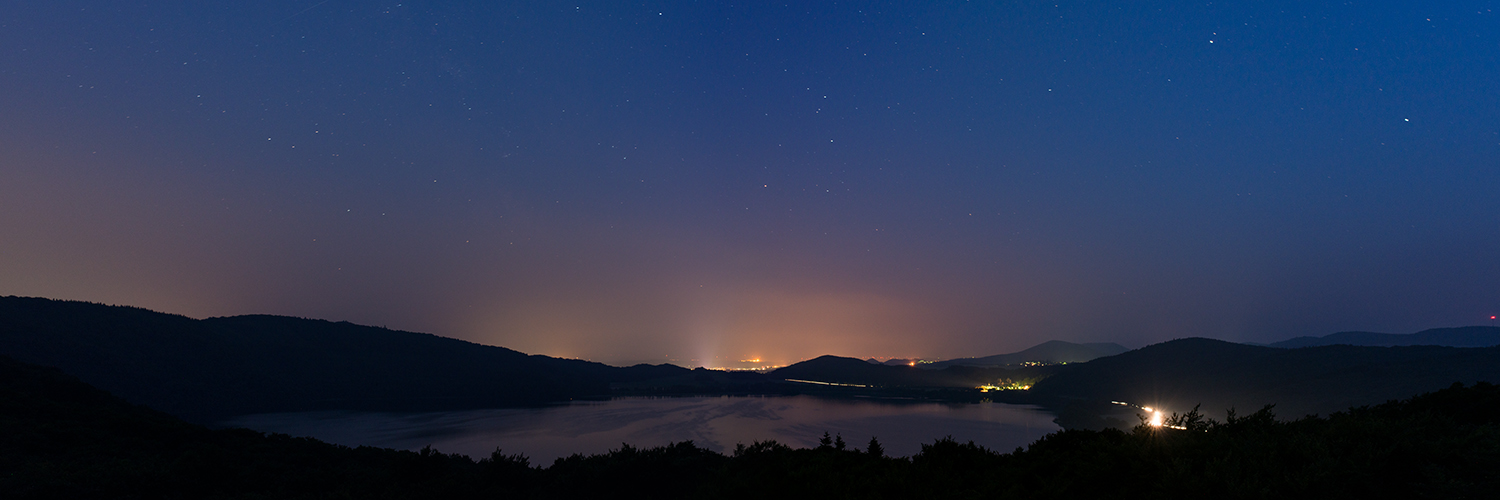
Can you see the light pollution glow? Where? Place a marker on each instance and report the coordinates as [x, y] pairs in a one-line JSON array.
[[769, 327], [715, 186]]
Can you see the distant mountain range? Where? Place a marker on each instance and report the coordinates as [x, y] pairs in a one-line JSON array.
[[211, 369], [851, 371], [1050, 352], [1467, 336], [1178, 375]]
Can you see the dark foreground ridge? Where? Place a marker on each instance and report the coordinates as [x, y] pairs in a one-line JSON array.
[[65, 439]]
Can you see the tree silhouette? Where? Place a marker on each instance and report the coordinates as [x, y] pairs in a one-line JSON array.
[[874, 449]]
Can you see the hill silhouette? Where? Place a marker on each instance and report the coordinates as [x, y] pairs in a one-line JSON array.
[[206, 370], [1180, 374], [1466, 336], [1052, 351], [842, 370]]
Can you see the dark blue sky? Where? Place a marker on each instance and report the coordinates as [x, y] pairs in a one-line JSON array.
[[718, 181]]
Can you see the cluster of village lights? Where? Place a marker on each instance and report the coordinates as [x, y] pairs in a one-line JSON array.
[[1016, 386]]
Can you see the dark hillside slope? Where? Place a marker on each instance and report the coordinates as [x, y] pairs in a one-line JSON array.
[[205, 370], [65, 439], [1220, 375], [1466, 336]]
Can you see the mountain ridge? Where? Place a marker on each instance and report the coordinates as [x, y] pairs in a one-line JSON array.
[[1180, 374], [1052, 351], [204, 370], [1462, 336], [210, 369]]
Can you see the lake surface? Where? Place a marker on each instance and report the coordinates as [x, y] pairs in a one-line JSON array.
[[717, 423]]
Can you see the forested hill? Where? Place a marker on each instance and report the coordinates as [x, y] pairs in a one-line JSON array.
[[206, 370], [1220, 375]]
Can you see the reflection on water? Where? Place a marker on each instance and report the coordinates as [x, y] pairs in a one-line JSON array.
[[716, 423]]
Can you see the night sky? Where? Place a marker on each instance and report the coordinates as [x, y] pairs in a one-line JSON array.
[[710, 181]]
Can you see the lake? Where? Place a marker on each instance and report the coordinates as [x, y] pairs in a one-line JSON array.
[[716, 423]]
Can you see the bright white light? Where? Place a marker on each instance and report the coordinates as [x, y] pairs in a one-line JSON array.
[[1156, 420]]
